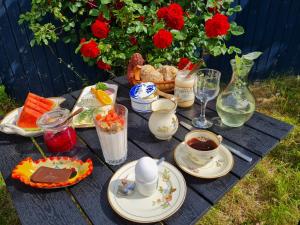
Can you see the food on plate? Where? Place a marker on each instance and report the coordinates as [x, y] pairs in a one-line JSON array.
[[51, 175], [85, 117], [111, 122], [101, 86], [35, 106], [150, 74], [168, 72], [102, 96]]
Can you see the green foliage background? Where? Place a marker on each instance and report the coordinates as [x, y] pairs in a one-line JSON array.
[[74, 17]]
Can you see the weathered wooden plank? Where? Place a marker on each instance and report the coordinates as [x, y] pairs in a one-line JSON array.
[[34, 80], [34, 206], [15, 71], [193, 208], [39, 58], [58, 78], [61, 52]]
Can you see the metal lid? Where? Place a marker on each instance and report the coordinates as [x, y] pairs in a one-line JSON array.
[[53, 118], [142, 90]]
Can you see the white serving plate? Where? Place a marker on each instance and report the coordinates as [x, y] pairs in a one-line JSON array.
[[8, 123], [88, 101]]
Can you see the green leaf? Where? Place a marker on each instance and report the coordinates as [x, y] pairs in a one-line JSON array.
[[105, 2], [237, 30], [73, 8], [252, 56], [178, 35], [94, 12]]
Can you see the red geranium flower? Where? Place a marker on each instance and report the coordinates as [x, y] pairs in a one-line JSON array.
[[183, 63], [119, 5], [176, 8], [175, 21], [173, 16], [89, 49], [141, 18], [162, 39], [100, 29], [103, 66], [162, 13], [216, 26], [133, 40]]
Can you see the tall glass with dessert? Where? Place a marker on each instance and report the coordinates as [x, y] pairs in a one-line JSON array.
[[111, 128]]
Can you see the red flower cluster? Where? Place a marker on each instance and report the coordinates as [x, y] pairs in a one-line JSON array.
[[141, 18], [216, 26], [89, 49], [183, 63], [162, 39], [100, 29], [119, 4], [133, 40], [173, 16], [103, 66]]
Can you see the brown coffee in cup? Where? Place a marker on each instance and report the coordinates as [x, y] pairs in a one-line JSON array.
[[202, 144]]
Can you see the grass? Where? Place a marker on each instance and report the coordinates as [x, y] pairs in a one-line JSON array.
[[270, 193], [6, 103]]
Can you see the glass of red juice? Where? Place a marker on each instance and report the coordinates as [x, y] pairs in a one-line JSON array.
[[58, 137]]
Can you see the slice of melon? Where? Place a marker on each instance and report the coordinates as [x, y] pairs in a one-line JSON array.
[[46, 101], [34, 107], [31, 105], [28, 118], [40, 105]]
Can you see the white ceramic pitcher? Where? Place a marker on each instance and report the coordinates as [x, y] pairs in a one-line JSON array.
[[163, 122]]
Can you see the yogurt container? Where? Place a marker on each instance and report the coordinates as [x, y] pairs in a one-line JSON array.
[[142, 95]]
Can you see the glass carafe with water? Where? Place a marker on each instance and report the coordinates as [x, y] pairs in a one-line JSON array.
[[236, 104]]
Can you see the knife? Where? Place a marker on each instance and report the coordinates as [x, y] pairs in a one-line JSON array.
[[234, 151]]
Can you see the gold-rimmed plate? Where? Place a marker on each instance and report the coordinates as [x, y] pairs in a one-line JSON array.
[[164, 202], [219, 166]]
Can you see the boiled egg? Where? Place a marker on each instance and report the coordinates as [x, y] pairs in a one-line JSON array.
[[146, 170]]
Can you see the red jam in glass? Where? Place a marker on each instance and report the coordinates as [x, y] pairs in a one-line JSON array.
[[61, 141], [58, 138]]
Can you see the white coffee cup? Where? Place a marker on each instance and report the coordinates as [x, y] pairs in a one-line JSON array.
[[202, 157]]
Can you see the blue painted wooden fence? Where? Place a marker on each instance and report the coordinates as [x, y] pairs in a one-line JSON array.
[[271, 26]]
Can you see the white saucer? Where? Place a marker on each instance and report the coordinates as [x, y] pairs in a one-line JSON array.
[[219, 166], [162, 204]]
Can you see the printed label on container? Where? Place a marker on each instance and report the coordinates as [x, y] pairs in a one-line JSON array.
[[184, 94]]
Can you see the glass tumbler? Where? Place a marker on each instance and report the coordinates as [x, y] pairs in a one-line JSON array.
[[111, 128]]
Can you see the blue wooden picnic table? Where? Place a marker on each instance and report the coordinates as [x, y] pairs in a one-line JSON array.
[[87, 203]]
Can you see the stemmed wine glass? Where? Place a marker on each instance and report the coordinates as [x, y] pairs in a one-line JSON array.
[[206, 88]]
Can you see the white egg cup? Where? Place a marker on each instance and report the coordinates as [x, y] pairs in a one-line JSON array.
[[146, 189]]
